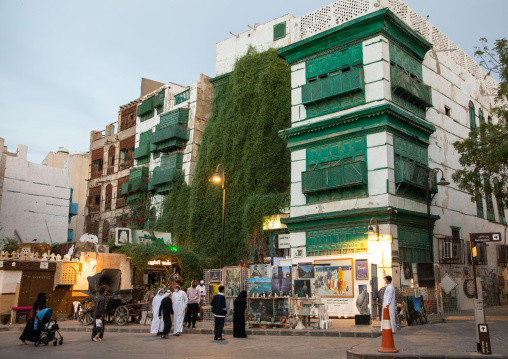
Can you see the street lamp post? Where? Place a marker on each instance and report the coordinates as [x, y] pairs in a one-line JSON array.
[[217, 178], [442, 182], [374, 229]]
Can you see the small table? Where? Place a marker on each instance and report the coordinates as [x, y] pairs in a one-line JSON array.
[[20, 309]]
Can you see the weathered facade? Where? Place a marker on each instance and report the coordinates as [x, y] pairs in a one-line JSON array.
[[47, 196], [378, 99]]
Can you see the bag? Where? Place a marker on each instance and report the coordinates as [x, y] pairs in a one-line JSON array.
[[31, 316]]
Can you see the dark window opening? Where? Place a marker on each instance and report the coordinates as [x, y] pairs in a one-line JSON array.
[[447, 111]]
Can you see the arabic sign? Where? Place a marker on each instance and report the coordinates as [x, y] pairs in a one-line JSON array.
[[486, 237], [284, 241], [483, 330]]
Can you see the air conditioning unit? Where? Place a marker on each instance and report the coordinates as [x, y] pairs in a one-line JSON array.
[[298, 253], [102, 248]]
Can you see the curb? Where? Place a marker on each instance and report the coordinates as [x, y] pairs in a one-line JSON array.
[[351, 354], [227, 331]]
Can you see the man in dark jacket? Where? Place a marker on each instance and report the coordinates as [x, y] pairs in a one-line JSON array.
[[220, 313], [100, 308]]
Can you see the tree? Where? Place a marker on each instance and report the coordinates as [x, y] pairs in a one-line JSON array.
[[484, 154]]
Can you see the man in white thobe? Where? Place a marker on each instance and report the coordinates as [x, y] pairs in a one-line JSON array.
[[179, 304], [157, 324], [390, 302]]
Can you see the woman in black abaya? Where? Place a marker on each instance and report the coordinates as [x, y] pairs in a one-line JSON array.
[[165, 311], [29, 333], [239, 315]]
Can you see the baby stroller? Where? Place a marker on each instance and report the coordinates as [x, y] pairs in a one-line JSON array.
[[48, 328]]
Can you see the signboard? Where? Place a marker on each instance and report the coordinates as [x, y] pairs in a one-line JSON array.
[[159, 262], [483, 332], [44, 265], [486, 237], [284, 241]]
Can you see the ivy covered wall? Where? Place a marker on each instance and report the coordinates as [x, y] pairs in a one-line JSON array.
[[250, 107]]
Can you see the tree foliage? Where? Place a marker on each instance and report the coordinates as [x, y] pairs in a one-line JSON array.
[[485, 151], [249, 110]]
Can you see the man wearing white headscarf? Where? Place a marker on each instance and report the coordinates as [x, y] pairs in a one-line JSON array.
[[179, 304], [157, 324]]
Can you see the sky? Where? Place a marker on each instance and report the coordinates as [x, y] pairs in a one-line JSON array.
[[66, 66]]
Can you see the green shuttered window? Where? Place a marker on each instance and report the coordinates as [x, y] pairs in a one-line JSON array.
[[414, 245], [279, 31], [336, 171], [342, 240], [145, 109]]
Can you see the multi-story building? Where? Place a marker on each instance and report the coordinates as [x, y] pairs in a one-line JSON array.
[[42, 202], [170, 122], [158, 140], [379, 96]]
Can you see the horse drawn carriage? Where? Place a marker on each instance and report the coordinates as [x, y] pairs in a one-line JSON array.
[[122, 306]]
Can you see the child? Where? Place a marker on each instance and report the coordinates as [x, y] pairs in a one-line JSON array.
[[98, 328]]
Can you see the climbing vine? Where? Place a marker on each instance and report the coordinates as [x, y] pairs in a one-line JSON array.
[[250, 108]]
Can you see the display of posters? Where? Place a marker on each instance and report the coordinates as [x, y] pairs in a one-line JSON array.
[[281, 280], [260, 310], [305, 271], [257, 271], [230, 306], [259, 285], [302, 288], [335, 278], [415, 311], [362, 269], [233, 282]]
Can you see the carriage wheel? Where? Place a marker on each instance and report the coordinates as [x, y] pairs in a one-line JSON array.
[[122, 315], [85, 311]]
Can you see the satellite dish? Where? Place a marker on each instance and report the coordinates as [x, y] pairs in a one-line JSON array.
[[89, 238]]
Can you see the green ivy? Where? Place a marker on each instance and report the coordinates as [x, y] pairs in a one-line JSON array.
[[242, 134]]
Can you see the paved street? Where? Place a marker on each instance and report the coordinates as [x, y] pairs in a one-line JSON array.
[[127, 345]]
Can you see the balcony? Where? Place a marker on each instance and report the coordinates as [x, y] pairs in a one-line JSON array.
[[142, 151], [409, 88], [182, 97], [170, 138], [344, 175], [410, 174], [162, 180], [333, 86], [138, 181]]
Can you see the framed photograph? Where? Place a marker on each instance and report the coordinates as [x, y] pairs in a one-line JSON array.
[[282, 308], [214, 289], [281, 280], [362, 270], [416, 314], [215, 275], [407, 268], [233, 281], [305, 271], [334, 278], [260, 310], [123, 236], [302, 288]]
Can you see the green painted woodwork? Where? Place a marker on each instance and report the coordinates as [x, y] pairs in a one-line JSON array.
[[179, 116], [172, 160], [410, 89], [279, 31], [182, 97], [338, 60], [133, 198], [500, 207], [410, 149], [488, 200], [142, 151], [405, 60], [481, 117], [413, 244], [125, 188], [341, 240], [145, 137], [343, 175], [472, 116], [146, 107], [375, 119], [138, 179], [381, 22], [336, 170], [170, 138], [165, 176], [334, 104], [344, 82], [158, 100]]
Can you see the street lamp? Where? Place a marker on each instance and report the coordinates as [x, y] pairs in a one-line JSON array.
[[217, 178], [442, 182]]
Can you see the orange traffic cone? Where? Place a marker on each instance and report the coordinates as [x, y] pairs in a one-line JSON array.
[[387, 345]]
